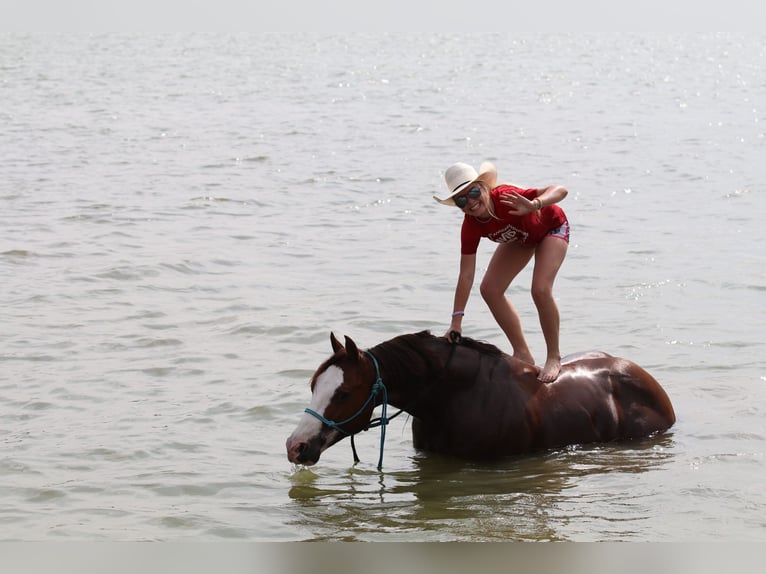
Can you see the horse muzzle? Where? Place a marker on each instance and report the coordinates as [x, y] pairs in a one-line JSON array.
[[302, 452], [306, 451]]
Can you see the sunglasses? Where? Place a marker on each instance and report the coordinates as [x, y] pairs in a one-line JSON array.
[[462, 200]]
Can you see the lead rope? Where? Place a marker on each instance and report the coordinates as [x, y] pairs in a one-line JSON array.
[[383, 421]]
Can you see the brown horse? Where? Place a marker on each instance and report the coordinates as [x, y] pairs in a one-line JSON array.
[[470, 400]]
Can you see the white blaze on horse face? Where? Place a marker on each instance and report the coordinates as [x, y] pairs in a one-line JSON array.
[[324, 390]]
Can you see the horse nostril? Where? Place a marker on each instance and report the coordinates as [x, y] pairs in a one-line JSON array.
[[295, 449]]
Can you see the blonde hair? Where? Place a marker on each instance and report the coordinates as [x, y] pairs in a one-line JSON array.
[[486, 198]]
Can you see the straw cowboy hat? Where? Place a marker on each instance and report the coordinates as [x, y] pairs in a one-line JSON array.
[[460, 175]]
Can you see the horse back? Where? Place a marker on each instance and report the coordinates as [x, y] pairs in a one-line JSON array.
[[621, 399], [490, 404]]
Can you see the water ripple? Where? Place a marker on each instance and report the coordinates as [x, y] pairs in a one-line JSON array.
[[178, 246]]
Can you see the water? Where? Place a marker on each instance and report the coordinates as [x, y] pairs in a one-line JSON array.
[[184, 219]]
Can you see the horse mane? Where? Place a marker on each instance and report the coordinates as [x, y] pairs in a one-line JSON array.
[[482, 346], [407, 353], [412, 355]]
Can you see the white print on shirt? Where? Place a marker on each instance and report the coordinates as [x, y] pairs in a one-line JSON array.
[[509, 234]]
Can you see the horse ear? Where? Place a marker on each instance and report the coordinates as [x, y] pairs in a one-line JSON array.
[[336, 346], [351, 349]]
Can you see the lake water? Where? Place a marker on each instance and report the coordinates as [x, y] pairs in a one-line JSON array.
[[184, 219]]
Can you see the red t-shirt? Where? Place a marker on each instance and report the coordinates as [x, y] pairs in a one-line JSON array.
[[526, 230]]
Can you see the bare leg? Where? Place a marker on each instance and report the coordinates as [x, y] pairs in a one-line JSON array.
[[549, 256], [506, 263]]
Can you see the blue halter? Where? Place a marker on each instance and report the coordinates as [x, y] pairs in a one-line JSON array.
[[377, 387]]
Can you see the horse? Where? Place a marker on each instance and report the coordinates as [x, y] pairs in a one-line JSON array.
[[470, 400]]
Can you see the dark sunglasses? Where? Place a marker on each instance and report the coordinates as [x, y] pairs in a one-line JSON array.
[[462, 200]]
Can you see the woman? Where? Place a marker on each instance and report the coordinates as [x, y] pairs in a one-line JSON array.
[[524, 222]]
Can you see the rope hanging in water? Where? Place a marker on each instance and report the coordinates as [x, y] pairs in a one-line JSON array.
[[382, 422]]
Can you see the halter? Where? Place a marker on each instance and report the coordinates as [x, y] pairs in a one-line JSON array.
[[377, 387]]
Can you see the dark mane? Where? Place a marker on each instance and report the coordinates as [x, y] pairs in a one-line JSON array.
[[481, 346], [409, 355], [413, 353]]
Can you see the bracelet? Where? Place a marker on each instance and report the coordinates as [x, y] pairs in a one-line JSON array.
[[539, 203], [458, 313]]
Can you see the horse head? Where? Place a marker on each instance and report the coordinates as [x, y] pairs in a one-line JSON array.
[[342, 401]]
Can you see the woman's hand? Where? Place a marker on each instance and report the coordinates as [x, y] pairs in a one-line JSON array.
[[518, 204], [453, 335]]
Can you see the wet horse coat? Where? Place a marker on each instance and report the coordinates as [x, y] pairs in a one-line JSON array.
[[472, 401]]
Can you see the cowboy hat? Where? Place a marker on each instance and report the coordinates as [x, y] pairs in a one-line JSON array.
[[460, 175]]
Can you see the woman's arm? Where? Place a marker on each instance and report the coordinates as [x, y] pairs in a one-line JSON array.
[[462, 291], [520, 205], [551, 194]]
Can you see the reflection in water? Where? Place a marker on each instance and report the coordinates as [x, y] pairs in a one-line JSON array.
[[538, 497]]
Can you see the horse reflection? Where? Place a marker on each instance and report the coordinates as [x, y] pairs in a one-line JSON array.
[[472, 401]]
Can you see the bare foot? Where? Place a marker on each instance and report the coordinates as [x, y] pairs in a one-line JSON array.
[[550, 371]]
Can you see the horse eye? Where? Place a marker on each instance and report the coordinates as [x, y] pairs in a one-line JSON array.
[[342, 395]]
